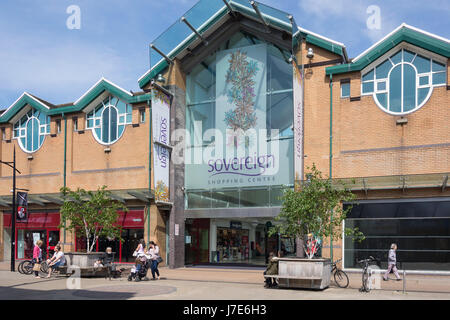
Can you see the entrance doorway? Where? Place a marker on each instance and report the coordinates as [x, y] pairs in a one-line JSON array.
[[27, 238], [197, 241]]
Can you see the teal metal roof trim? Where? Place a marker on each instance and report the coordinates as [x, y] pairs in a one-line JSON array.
[[405, 33], [101, 86], [23, 100]]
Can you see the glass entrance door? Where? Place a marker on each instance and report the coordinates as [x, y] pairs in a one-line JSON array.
[[26, 239]]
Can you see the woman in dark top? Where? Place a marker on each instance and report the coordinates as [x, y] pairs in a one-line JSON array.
[[108, 261]]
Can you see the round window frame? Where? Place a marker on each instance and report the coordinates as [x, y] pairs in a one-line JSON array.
[[19, 139]]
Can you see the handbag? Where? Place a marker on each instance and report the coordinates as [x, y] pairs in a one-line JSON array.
[[159, 260], [135, 254], [37, 267]]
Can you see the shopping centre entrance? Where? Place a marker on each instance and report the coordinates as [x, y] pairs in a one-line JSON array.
[[237, 242]]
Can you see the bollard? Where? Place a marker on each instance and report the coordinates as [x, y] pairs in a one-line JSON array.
[[404, 281]]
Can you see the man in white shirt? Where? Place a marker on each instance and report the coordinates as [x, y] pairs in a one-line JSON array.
[[57, 260]]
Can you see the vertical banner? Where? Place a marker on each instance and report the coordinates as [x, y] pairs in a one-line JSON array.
[[161, 138], [298, 122], [22, 207]]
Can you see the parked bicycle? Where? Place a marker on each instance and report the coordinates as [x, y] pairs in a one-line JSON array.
[[366, 273], [26, 267], [340, 277]]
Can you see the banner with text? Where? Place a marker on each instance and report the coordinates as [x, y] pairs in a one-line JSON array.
[[298, 122], [161, 137]]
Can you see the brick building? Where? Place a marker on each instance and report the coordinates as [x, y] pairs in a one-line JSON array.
[[378, 119]]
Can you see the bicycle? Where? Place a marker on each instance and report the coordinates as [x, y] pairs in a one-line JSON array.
[[340, 277], [25, 267], [365, 275]]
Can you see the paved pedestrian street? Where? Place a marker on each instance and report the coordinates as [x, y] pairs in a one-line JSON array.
[[209, 284]]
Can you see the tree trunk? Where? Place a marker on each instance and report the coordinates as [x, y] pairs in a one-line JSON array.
[[299, 244]]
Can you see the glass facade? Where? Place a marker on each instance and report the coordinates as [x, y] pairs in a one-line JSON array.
[[403, 82], [421, 231], [239, 120]]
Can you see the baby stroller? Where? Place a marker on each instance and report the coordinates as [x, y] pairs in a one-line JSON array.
[[139, 270]]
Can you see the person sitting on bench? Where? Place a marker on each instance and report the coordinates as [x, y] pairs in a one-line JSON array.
[[272, 269]]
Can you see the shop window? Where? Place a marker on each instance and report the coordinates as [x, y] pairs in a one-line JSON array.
[[58, 126], [420, 230], [31, 129], [403, 82], [3, 133], [108, 120], [75, 124]]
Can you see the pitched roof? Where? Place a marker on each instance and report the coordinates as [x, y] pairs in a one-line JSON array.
[[403, 33], [98, 88]]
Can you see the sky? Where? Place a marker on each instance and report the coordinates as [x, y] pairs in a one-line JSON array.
[[39, 54]]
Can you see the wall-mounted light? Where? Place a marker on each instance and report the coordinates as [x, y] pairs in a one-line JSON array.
[[160, 78], [310, 53]]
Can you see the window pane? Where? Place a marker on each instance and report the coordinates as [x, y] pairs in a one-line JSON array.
[[225, 199], [367, 87], [396, 58], [395, 90], [198, 200], [200, 114], [368, 76], [438, 66], [105, 125], [280, 77], [422, 64], [281, 112], [122, 107], [439, 78], [381, 86], [423, 81], [113, 126], [345, 90], [255, 198], [408, 55], [383, 69], [382, 99], [201, 82], [409, 88], [423, 92]]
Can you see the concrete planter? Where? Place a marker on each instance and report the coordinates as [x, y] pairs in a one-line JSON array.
[[304, 273], [83, 259]]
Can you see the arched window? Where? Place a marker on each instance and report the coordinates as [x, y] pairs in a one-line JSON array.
[[108, 120], [403, 82], [31, 129]]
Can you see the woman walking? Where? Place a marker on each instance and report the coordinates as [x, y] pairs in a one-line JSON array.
[[37, 256], [392, 261], [156, 259]]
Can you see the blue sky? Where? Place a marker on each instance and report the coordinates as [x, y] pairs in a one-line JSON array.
[[40, 55]]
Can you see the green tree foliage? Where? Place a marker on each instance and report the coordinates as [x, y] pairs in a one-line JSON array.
[[315, 206], [91, 214]]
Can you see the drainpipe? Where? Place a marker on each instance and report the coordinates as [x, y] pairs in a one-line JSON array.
[[331, 155], [149, 164], [65, 164]]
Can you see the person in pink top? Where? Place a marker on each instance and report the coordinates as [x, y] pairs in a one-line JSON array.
[[37, 255]]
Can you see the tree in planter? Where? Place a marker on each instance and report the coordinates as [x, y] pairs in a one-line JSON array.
[[314, 207], [92, 214]]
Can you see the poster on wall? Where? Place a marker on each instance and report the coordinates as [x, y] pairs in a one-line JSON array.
[[241, 89], [161, 139], [298, 121], [22, 207]]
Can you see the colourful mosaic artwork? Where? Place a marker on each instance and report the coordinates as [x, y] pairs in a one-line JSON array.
[[241, 74]]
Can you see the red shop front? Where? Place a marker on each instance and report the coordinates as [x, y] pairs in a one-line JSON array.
[[132, 230], [40, 226]]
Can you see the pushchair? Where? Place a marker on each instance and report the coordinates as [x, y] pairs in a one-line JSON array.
[[140, 269]]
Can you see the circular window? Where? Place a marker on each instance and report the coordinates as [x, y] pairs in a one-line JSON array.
[[404, 82], [108, 120], [31, 129]]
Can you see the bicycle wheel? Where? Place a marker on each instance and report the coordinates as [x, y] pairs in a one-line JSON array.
[[44, 267], [341, 279], [27, 267], [365, 280], [20, 267]]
